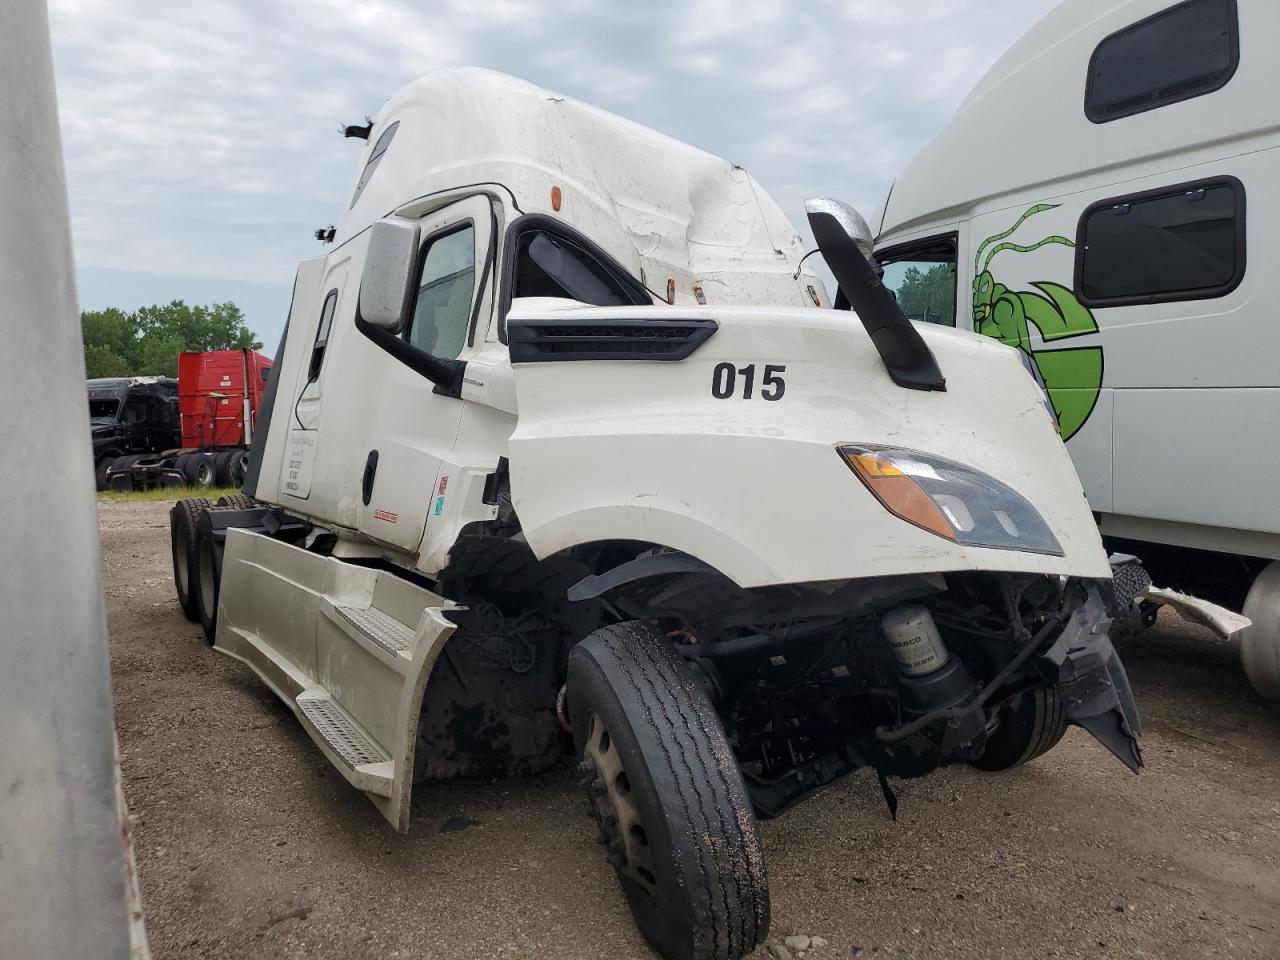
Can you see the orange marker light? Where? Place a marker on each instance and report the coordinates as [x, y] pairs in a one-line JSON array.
[[898, 492], [555, 199]]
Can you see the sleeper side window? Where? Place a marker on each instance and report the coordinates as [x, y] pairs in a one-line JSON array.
[[446, 289], [1186, 51], [322, 335], [375, 157], [922, 276], [1181, 243]]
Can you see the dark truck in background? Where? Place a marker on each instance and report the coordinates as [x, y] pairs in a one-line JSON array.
[[131, 417], [193, 431]]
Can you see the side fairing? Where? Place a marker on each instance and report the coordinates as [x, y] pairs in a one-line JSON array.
[[730, 455]]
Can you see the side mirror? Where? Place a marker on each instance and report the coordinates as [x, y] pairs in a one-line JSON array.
[[846, 244], [850, 220], [386, 284]]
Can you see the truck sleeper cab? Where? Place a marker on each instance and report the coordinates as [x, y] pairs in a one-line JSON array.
[[564, 452], [1125, 257]]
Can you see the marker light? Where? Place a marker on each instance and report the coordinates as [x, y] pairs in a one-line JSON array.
[[949, 499]]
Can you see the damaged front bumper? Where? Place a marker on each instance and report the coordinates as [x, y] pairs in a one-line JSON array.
[[1092, 683]]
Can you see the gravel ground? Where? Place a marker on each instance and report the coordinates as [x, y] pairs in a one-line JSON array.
[[249, 845]]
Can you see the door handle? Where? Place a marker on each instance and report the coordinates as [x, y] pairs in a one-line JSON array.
[[366, 483]]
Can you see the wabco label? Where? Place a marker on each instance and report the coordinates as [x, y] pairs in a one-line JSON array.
[[300, 458]]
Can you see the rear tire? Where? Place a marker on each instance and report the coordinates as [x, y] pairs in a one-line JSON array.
[[668, 795], [207, 576], [239, 463], [182, 543], [1260, 641], [222, 468], [1031, 724], [237, 501], [199, 470]]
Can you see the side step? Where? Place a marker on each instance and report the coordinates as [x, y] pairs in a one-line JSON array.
[[356, 754], [378, 627]]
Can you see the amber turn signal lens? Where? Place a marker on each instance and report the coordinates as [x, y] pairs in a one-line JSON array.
[[555, 199], [898, 492]]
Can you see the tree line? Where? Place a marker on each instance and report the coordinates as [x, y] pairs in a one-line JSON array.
[[929, 295], [147, 341]]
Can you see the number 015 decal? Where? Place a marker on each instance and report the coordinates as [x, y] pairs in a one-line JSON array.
[[724, 381]]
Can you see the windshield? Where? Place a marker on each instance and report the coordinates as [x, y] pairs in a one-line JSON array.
[[103, 409]]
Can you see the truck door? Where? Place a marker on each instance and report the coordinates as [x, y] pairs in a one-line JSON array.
[[411, 426]]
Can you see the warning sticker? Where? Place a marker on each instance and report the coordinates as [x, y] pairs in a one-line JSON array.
[[299, 460]]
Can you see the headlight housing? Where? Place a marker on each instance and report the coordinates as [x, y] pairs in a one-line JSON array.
[[949, 499]]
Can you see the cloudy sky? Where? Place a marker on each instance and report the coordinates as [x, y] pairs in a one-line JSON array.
[[201, 138]]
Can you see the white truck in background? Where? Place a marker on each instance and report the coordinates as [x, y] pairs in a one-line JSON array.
[[564, 451], [1107, 200]]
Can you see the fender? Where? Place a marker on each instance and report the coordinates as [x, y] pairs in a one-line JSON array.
[[729, 453]]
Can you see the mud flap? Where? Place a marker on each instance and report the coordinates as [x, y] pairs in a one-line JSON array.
[[1092, 682]]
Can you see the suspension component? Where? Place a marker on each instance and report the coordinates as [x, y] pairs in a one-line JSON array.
[[930, 678]]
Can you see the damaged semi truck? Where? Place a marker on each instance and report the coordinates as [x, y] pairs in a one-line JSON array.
[[564, 450]]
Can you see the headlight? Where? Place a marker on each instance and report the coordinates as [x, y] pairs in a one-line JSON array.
[[950, 499]]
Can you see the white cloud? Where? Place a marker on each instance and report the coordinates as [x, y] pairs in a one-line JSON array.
[[200, 138]]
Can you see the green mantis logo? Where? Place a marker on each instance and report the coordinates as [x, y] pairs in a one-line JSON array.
[[1073, 375]]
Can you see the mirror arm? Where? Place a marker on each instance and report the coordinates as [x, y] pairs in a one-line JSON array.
[[907, 358], [445, 374]]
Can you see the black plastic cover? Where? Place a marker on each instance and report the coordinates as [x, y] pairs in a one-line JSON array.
[[631, 338]]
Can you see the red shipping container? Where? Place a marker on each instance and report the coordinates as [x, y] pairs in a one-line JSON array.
[[217, 391]]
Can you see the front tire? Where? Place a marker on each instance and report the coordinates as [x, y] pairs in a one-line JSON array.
[[100, 470], [1260, 641], [1031, 724], [668, 796]]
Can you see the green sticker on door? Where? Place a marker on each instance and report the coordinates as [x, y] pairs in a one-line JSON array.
[[1073, 375]]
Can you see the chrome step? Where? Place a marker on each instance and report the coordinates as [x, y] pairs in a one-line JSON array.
[[379, 627], [356, 754]]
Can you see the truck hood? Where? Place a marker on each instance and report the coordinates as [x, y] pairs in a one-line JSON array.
[[665, 452]]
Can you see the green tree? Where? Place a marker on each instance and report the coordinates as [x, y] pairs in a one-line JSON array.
[[929, 296], [148, 340]]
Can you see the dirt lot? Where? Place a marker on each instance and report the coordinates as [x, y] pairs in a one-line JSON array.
[[249, 845]]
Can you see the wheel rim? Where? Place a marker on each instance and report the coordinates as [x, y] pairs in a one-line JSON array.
[[207, 583], [622, 829], [204, 472]]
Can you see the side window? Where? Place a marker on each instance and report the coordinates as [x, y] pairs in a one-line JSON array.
[[375, 157], [446, 288], [922, 276], [1185, 51], [1181, 243], [322, 335]]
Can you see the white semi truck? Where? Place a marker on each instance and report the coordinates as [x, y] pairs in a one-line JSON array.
[[1106, 200], [563, 451]]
